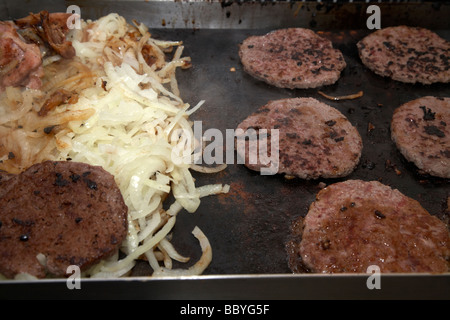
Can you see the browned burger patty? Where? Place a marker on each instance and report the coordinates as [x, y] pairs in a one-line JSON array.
[[292, 58], [71, 213], [315, 139], [407, 54], [421, 131], [355, 224]]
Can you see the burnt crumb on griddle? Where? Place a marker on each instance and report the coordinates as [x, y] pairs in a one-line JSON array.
[[367, 164], [370, 128], [389, 166], [427, 114]]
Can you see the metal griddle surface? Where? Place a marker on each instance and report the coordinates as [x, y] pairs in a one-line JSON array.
[[248, 228]]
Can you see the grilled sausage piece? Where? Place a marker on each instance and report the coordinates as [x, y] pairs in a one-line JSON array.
[[71, 213], [20, 62]]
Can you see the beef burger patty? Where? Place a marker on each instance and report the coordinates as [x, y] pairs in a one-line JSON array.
[[315, 139], [71, 213], [292, 58], [355, 224], [421, 130], [407, 54]]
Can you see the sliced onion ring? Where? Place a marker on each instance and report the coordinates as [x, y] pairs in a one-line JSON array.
[[347, 97]]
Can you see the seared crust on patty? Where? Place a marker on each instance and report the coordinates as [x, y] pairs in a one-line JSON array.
[[315, 139], [356, 224], [407, 54], [71, 213], [421, 131], [292, 58]]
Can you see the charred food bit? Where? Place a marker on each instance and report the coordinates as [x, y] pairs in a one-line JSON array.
[[57, 98]]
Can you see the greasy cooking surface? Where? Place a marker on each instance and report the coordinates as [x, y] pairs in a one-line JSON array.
[[249, 227]]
